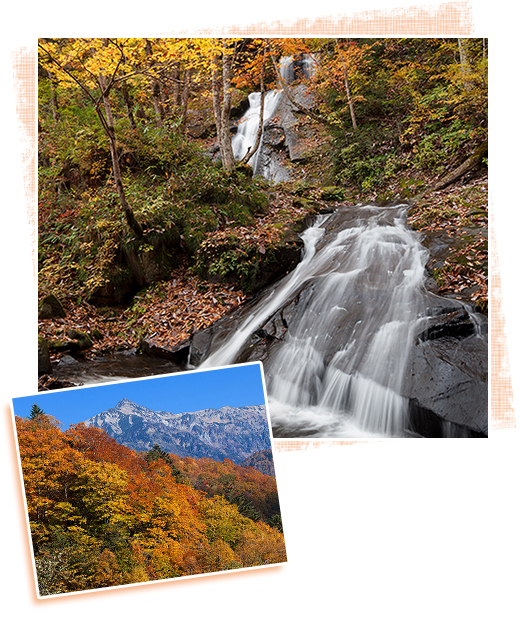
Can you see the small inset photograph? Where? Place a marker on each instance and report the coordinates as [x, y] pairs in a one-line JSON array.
[[149, 479]]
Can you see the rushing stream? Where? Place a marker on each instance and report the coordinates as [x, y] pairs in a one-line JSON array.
[[342, 367], [348, 339]]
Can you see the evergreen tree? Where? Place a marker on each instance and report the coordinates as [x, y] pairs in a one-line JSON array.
[[157, 453], [36, 412]]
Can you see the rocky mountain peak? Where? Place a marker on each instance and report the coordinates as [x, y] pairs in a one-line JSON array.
[[228, 432]]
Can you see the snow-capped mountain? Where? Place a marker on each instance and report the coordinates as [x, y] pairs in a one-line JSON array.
[[228, 432]]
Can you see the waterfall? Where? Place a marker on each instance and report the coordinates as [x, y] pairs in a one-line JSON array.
[[229, 351], [245, 137], [344, 359], [300, 67]]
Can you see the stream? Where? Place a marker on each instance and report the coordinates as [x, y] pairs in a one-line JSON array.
[[352, 343], [339, 336]]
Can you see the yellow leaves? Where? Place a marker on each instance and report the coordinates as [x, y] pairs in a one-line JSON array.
[[223, 520], [260, 546], [81, 61]]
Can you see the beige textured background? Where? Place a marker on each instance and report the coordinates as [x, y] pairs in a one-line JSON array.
[[408, 527]]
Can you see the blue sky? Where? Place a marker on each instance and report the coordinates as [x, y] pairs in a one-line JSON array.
[[235, 386]]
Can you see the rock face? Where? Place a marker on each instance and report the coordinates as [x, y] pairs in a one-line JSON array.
[[284, 140], [447, 384], [230, 432], [44, 358], [50, 307], [447, 389]]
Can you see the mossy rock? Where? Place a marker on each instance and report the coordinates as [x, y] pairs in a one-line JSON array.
[[82, 339], [50, 307], [58, 345], [249, 267], [333, 193], [152, 259], [117, 288]]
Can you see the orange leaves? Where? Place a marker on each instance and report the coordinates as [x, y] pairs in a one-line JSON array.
[[101, 515], [48, 465], [459, 214]]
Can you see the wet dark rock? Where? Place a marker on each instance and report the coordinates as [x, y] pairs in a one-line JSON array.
[[178, 354], [67, 360], [44, 358], [456, 323], [448, 387]]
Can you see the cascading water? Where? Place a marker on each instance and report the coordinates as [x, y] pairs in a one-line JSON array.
[[247, 130], [245, 137], [350, 339], [341, 368], [301, 67]]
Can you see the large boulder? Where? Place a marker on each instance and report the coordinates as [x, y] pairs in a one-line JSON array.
[[447, 389], [152, 259], [251, 266], [117, 288]]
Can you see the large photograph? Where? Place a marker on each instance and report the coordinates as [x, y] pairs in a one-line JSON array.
[[319, 205], [149, 479]]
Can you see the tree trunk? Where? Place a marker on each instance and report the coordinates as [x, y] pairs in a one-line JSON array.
[[156, 93], [222, 106], [185, 95], [464, 63], [457, 173], [175, 95], [345, 78], [128, 106], [109, 125]]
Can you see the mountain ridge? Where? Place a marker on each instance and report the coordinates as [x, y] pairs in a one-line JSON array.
[[228, 432]]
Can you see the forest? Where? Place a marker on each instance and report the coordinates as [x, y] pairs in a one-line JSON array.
[[102, 515], [147, 225]]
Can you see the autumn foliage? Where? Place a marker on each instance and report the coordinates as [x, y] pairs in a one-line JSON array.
[[103, 515]]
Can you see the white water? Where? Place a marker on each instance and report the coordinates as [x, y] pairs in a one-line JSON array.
[[341, 367], [308, 66], [245, 137]]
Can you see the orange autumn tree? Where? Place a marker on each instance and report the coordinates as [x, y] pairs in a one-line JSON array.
[[103, 515]]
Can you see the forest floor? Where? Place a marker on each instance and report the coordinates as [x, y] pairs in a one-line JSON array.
[[169, 311]]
